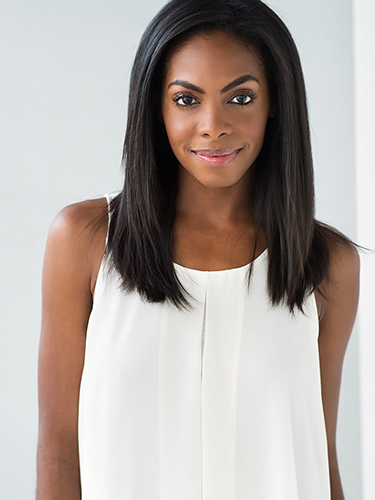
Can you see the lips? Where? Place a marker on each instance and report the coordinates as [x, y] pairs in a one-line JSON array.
[[215, 152], [216, 156]]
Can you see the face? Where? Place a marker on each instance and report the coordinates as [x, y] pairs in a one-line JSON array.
[[215, 106]]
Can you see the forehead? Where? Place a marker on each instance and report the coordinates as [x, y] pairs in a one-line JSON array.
[[214, 55]]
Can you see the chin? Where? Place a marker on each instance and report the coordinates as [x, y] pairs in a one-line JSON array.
[[218, 182]]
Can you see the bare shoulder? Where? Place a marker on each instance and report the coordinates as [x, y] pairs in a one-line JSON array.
[[77, 236], [343, 280], [339, 295], [72, 219], [345, 262]]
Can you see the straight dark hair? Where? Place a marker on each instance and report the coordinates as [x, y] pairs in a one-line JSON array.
[[141, 233]]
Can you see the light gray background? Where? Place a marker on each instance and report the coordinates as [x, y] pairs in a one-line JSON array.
[[364, 83], [64, 77]]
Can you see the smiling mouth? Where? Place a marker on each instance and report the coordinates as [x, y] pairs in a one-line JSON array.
[[216, 156]]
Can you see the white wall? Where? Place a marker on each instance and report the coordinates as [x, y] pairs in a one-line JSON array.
[[364, 16], [63, 101]]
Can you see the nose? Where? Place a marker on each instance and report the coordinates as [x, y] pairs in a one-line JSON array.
[[214, 122]]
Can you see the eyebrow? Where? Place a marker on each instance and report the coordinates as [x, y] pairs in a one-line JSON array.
[[238, 81]]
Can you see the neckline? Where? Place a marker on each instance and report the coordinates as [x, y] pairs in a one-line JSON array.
[[246, 266]]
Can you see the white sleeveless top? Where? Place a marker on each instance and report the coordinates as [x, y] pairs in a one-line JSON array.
[[219, 403]]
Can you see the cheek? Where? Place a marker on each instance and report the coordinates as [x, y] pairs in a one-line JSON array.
[[179, 130], [253, 128]]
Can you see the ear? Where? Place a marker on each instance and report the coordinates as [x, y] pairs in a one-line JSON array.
[[273, 110]]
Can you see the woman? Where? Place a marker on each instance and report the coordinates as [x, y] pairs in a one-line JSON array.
[[192, 341]]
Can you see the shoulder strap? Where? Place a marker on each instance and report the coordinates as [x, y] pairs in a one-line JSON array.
[[109, 198]]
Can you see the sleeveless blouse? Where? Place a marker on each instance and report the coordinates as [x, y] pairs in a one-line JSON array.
[[221, 402]]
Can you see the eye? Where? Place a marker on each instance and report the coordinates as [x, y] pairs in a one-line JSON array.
[[184, 100], [243, 99]]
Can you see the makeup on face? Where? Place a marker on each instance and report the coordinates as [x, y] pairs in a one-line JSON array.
[[217, 157], [215, 107]]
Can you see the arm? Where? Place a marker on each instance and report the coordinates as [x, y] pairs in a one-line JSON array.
[[71, 262], [337, 311]]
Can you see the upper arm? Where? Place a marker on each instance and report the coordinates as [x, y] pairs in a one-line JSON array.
[[338, 312], [71, 258]]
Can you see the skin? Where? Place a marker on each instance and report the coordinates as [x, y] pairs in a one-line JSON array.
[[214, 230], [214, 222], [71, 264]]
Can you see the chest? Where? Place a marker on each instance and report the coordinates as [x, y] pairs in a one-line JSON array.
[[208, 249]]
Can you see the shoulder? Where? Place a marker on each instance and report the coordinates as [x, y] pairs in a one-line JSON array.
[[344, 263], [338, 294], [77, 238], [74, 223], [77, 216]]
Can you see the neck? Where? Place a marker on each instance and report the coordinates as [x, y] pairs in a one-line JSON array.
[[211, 206]]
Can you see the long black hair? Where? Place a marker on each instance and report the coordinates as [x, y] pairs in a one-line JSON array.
[[140, 242]]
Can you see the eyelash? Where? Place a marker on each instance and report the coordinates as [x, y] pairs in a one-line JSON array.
[[246, 93]]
